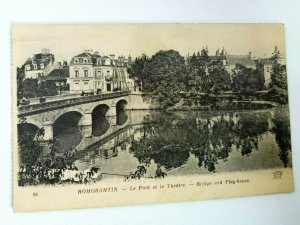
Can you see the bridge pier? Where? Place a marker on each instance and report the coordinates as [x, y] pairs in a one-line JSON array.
[[112, 120], [48, 128], [112, 111], [85, 124], [111, 115]]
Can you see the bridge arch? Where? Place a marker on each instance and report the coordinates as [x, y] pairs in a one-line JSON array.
[[66, 120], [121, 105], [122, 116], [27, 130], [100, 109], [100, 124]]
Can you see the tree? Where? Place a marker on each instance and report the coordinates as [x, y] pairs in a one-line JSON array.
[[193, 60], [28, 88], [20, 78], [246, 80], [278, 84], [163, 76], [198, 74], [29, 149], [137, 69], [219, 78], [46, 89]]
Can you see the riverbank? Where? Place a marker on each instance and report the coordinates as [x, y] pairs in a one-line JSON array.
[[144, 102], [225, 105]]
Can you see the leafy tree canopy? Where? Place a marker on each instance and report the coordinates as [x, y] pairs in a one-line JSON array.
[[247, 80]]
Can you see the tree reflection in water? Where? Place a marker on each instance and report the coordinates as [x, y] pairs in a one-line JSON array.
[[281, 129], [169, 139]]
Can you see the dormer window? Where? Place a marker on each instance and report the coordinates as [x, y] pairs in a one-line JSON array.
[[35, 66], [76, 61], [85, 60], [28, 67], [42, 66], [80, 60]]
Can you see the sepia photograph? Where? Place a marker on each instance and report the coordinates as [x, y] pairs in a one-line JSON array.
[[119, 114]]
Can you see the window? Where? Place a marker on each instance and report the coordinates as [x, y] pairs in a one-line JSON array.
[[85, 73], [268, 69], [99, 73], [85, 60], [80, 60], [76, 86], [76, 73], [76, 61]]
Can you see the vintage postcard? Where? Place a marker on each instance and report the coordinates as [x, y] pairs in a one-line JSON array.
[[121, 114]]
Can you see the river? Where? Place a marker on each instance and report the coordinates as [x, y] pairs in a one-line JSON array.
[[186, 142]]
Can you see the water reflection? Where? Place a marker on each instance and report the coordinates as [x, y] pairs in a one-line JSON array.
[[100, 124], [211, 138], [281, 129], [67, 131], [122, 117], [195, 142]]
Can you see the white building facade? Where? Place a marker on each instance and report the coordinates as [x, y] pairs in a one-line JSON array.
[[90, 72]]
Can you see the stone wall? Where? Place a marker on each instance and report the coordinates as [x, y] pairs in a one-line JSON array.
[[141, 101]]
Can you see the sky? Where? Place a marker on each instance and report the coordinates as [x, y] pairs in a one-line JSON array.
[[66, 41]]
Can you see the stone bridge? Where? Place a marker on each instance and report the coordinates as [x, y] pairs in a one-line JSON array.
[[50, 115]]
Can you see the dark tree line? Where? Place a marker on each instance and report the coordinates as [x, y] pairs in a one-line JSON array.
[[31, 88], [247, 80], [167, 75], [278, 85], [163, 75]]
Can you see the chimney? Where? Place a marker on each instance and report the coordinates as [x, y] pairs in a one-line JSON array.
[[250, 56], [112, 56], [86, 51]]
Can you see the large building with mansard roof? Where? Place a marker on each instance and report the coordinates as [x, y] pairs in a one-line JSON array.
[[90, 72]]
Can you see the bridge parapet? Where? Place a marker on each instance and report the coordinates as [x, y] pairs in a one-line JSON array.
[[26, 110]]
